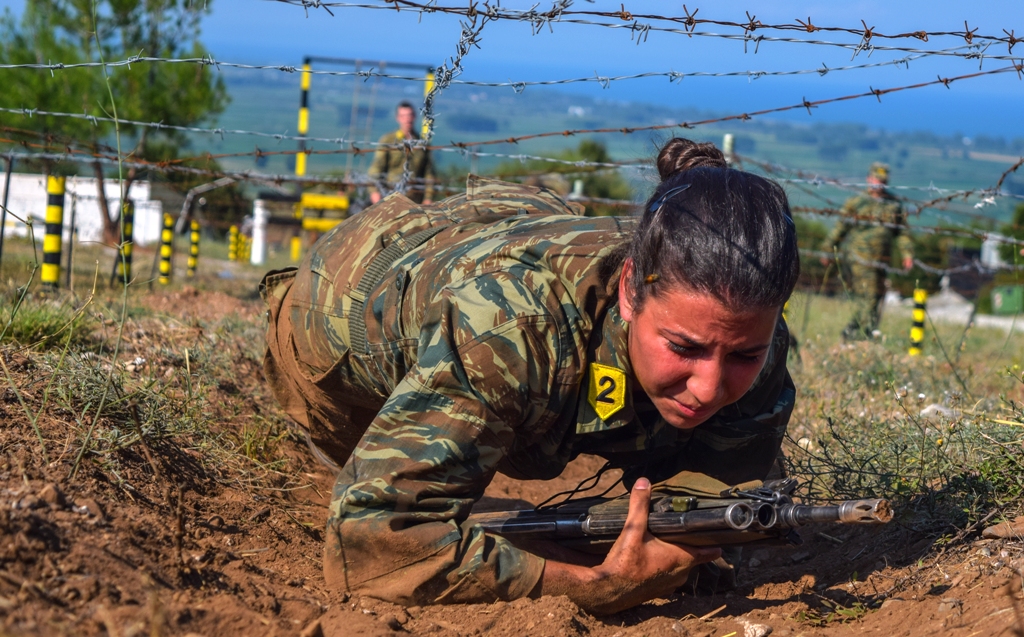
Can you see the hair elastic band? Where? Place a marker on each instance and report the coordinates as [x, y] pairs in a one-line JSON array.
[[651, 278]]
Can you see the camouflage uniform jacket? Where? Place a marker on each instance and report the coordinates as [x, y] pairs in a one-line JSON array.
[[389, 165], [870, 242], [494, 346]]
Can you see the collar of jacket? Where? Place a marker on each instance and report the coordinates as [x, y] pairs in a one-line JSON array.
[[608, 348]]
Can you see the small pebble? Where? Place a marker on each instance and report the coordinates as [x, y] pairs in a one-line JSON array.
[[30, 502], [757, 630], [90, 507], [52, 494]]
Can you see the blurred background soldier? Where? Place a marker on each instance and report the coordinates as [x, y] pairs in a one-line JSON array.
[[865, 244], [389, 163]]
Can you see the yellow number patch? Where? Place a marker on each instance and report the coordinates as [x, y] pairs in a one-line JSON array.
[[607, 392]]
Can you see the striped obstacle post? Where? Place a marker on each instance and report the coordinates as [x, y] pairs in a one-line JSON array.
[[193, 250], [917, 330], [296, 249], [428, 86], [54, 229], [123, 265], [166, 249], [233, 243], [245, 252], [300, 157]]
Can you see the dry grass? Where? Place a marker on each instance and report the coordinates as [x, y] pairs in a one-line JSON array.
[[940, 434]]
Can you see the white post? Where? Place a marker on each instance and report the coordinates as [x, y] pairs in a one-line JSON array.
[[728, 143], [259, 232]]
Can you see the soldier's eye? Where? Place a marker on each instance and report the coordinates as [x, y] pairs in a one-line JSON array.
[[684, 350]]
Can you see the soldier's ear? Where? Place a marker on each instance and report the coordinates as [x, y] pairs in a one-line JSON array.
[[626, 292]]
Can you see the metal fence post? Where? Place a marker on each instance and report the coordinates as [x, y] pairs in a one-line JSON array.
[[166, 249], [123, 261], [233, 243], [3, 209], [193, 250], [52, 240], [917, 330]]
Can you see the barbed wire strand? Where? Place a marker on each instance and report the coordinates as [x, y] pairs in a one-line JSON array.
[[517, 85], [690, 20], [805, 104]]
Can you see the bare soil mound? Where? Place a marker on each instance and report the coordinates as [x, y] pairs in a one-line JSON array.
[[159, 529]]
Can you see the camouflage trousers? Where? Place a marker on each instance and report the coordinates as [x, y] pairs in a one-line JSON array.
[[333, 426], [866, 287]]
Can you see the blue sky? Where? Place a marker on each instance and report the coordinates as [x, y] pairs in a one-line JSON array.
[[264, 31]]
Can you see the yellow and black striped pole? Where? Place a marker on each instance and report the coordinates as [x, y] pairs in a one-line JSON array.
[[193, 250], [428, 86], [300, 157], [54, 229], [233, 243], [166, 249], [917, 330], [123, 267]]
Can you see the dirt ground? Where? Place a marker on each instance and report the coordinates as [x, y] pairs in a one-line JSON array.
[[164, 542]]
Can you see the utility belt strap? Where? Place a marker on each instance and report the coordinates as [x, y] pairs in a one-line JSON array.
[[374, 274]]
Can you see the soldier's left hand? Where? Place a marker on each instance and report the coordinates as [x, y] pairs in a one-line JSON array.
[[908, 263]]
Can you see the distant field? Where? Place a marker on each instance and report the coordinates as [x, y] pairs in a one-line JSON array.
[[269, 103]]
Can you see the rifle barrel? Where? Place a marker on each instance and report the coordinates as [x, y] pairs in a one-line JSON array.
[[739, 516]]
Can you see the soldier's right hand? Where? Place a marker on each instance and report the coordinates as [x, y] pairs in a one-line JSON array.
[[638, 568]]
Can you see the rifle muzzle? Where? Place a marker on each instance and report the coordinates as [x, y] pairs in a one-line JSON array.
[[872, 511]]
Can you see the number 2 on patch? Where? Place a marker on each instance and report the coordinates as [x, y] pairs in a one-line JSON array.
[[607, 391]]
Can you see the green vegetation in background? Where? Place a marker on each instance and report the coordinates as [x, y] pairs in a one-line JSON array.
[[1015, 229], [597, 182], [938, 433], [268, 101], [87, 30]]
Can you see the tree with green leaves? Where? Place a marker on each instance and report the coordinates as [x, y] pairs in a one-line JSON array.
[[1012, 252], [112, 30], [597, 182]]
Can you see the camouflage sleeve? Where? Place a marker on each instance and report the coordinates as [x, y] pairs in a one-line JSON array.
[[489, 372], [428, 176], [904, 242], [842, 227], [379, 167]]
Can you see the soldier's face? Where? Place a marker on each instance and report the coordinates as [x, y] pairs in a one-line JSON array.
[[405, 117], [693, 355]]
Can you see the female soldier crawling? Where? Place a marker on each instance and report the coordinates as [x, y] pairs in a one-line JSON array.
[[424, 348]]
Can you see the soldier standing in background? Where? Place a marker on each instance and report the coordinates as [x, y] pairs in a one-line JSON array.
[[866, 244], [389, 163]]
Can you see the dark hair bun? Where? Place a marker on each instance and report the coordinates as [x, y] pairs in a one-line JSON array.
[[682, 154]]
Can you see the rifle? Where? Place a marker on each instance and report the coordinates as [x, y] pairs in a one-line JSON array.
[[753, 512]]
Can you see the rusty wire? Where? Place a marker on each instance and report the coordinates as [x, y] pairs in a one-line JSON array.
[[472, 145], [560, 12]]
